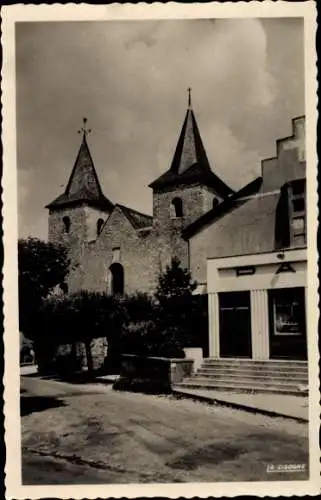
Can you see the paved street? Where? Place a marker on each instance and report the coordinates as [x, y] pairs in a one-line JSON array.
[[92, 434]]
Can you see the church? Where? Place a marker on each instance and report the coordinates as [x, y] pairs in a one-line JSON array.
[[238, 245], [110, 242]]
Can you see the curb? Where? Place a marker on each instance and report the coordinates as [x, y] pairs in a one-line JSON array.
[[240, 406]]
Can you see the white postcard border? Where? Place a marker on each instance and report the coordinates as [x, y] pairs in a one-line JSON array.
[[71, 12]]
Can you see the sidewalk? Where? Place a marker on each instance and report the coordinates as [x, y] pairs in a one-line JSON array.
[[296, 407], [28, 369], [106, 379]]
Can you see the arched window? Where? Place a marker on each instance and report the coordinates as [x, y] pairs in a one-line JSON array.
[[67, 223], [178, 207], [100, 224], [117, 278], [215, 202]]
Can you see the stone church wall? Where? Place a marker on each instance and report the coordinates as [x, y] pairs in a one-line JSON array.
[[74, 240], [119, 242], [196, 201], [166, 238]]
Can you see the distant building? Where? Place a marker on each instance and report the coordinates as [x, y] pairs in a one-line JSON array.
[[247, 249]]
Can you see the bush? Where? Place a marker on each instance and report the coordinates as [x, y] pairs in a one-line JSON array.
[[138, 307], [66, 365], [136, 324], [71, 319], [146, 338]]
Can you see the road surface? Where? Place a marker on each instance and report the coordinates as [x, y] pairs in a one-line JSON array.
[[75, 434]]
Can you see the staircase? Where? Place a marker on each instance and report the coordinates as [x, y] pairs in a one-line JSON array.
[[250, 376]]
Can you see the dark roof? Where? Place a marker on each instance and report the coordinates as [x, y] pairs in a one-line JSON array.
[[190, 163], [222, 208], [83, 185], [137, 219], [250, 229]]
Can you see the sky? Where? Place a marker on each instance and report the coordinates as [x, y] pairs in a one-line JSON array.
[[130, 80]]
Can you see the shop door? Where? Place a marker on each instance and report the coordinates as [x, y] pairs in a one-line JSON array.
[[235, 324], [287, 323]]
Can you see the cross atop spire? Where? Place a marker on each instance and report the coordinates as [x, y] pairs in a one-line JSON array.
[[84, 130], [189, 90], [190, 163], [83, 185]]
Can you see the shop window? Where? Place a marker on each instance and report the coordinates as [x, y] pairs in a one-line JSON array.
[[288, 312], [67, 224]]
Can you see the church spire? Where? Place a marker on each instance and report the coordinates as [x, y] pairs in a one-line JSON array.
[[190, 163], [83, 185]]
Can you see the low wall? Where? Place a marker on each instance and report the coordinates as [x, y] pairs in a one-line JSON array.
[[161, 372], [195, 353]]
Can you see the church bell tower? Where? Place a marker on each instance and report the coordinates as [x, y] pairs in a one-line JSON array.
[[77, 216], [186, 191]]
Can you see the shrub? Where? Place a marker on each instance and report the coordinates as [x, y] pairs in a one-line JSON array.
[[146, 338], [70, 319], [66, 365]]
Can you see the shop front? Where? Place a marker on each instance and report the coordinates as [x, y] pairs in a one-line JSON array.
[[287, 323], [257, 306]]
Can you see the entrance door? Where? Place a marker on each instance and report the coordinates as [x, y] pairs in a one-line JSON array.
[[287, 323], [117, 283], [235, 324]]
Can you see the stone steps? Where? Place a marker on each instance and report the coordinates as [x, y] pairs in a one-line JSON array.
[[230, 387], [256, 372], [238, 375], [251, 363], [249, 375]]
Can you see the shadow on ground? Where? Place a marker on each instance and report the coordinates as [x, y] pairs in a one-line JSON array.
[[212, 454], [32, 404], [82, 377]]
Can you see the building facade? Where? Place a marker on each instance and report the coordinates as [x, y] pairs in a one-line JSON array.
[[257, 269]]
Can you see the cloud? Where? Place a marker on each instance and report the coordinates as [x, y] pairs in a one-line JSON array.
[[130, 79]]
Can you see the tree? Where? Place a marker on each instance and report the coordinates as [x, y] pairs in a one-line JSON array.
[[42, 266], [175, 283], [174, 294]]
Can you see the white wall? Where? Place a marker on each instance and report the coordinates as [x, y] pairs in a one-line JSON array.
[[221, 277]]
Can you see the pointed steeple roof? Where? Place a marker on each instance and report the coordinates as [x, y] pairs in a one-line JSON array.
[[83, 185], [190, 163]]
